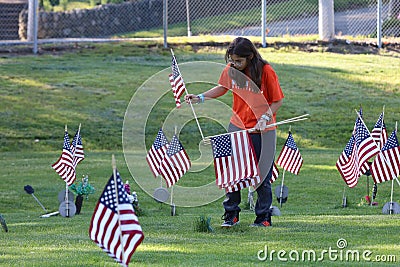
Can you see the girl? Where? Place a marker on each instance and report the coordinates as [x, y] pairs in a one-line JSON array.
[[257, 96]]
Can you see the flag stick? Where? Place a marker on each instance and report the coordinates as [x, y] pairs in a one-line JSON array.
[[114, 167], [281, 193], [384, 158], [190, 102], [76, 143], [391, 190], [380, 148], [172, 187], [391, 199], [66, 190], [381, 137], [294, 119], [283, 178], [344, 200]]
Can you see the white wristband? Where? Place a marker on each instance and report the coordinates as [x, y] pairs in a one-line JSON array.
[[266, 117], [201, 97]]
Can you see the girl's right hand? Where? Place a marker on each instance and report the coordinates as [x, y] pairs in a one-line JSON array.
[[192, 98]]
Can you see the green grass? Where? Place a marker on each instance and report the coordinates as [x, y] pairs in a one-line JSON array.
[[40, 94]]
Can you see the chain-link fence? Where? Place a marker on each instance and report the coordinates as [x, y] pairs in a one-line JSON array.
[[61, 19]]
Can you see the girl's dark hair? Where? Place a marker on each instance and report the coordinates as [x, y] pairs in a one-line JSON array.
[[243, 47]]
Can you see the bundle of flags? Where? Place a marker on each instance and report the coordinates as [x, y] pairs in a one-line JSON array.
[[363, 146], [114, 226], [168, 159], [70, 157]]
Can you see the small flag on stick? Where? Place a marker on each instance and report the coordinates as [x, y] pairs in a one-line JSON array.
[[379, 133], [176, 80], [364, 168], [290, 158], [175, 163], [157, 152], [347, 164], [65, 164], [77, 148], [114, 226], [386, 165], [365, 144]]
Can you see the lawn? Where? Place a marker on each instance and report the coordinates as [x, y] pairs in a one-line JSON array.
[[120, 95]]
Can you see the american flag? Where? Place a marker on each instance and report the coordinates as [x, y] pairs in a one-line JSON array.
[[347, 164], [386, 165], [290, 158], [77, 148], [175, 163], [64, 165], [156, 153], [114, 226], [234, 160], [275, 173], [365, 146], [365, 166], [379, 133], [177, 83]]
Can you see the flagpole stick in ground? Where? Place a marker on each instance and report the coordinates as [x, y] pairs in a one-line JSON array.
[[344, 199], [384, 158], [114, 167], [281, 193], [172, 187], [66, 190], [190, 102], [391, 190], [381, 137], [381, 144]]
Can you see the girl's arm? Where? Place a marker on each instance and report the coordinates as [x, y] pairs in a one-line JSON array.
[[214, 92]]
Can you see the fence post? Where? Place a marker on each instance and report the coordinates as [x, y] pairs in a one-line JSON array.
[[379, 24], [33, 23], [165, 22], [189, 32], [263, 22], [326, 23]]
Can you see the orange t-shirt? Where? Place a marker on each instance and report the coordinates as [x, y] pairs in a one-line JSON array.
[[249, 104]]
